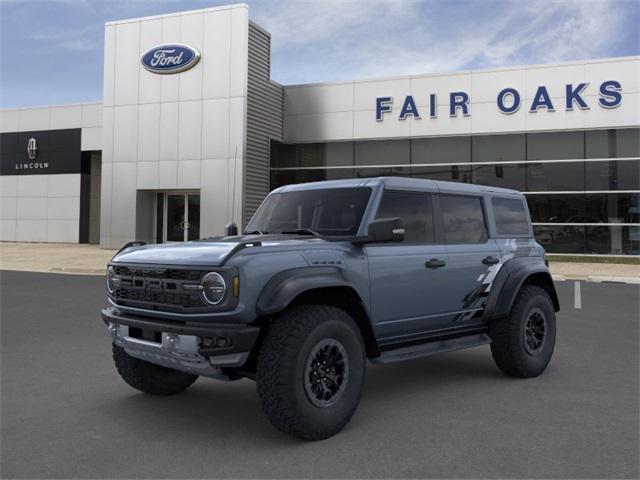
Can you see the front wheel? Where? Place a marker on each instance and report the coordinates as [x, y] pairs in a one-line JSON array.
[[148, 377], [311, 371], [523, 342]]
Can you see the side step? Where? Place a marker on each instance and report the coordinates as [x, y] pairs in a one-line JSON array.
[[438, 346]]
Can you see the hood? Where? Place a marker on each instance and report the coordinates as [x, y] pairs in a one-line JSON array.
[[210, 253]]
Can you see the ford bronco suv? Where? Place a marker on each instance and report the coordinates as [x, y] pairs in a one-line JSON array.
[[326, 276]]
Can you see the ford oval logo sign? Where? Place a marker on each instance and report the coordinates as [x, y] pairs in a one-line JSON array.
[[172, 58]]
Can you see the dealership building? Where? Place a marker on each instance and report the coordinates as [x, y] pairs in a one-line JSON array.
[[192, 133]]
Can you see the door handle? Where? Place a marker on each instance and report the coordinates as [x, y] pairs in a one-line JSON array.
[[490, 260], [435, 263]]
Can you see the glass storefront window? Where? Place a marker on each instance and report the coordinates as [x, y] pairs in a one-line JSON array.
[[555, 145], [499, 148], [504, 175], [612, 240], [560, 208], [383, 152], [620, 143], [613, 207], [288, 177], [441, 150], [311, 154], [614, 175], [544, 177], [382, 172], [449, 173], [283, 155], [560, 239]]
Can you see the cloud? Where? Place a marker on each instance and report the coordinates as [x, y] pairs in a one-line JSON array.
[[329, 40]]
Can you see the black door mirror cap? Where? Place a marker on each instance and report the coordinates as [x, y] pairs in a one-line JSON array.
[[384, 230]]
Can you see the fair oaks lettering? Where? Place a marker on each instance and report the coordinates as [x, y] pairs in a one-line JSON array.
[[508, 101]]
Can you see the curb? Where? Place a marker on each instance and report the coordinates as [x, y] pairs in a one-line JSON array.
[[596, 279]]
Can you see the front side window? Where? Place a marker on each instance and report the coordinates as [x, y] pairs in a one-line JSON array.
[[414, 209], [463, 219], [328, 211], [511, 216]]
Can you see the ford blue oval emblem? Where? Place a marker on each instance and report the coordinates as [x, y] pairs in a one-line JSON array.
[[172, 58]]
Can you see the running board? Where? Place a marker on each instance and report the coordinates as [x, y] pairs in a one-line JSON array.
[[438, 346]]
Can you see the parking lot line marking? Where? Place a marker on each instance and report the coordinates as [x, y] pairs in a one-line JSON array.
[[577, 296]]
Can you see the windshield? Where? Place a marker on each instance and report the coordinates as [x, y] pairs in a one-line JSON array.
[[328, 212]]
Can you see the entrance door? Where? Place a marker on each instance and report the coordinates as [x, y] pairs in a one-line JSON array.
[[181, 217]]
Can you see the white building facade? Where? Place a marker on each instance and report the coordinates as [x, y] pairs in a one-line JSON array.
[[192, 134]]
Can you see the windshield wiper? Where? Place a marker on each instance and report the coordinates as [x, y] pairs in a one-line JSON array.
[[255, 232], [302, 231]]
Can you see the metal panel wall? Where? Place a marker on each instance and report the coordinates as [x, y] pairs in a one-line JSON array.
[[265, 120]]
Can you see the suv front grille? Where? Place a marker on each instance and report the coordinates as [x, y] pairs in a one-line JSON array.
[[157, 288]]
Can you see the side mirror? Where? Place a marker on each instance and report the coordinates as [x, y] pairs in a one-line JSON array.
[[384, 230], [230, 230]]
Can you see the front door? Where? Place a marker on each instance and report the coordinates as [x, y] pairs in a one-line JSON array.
[[408, 290], [181, 217]]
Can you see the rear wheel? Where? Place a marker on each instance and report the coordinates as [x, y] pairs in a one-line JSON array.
[[150, 378], [523, 343], [311, 371]]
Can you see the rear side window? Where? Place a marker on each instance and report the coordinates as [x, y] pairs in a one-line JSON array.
[[415, 211], [463, 219], [511, 216]]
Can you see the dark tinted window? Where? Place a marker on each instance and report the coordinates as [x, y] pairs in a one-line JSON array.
[[383, 152], [463, 219], [558, 208], [612, 208], [614, 175], [560, 239], [288, 177], [511, 216], [542, 177], [499, 148], [311, 154], [415, 211], [329, 211], [500, 175], [381, 172], [555, 145], [620, 143], [449, 173], [441, 150]]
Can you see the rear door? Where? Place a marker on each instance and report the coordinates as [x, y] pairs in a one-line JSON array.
[[473, 256], [408, 292]]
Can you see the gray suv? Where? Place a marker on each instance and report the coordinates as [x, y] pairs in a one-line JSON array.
[[327, 276]]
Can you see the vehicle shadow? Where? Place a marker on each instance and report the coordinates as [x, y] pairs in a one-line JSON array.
[[232, 410]]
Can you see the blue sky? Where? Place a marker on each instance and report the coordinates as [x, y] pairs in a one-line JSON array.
[[51, 50]]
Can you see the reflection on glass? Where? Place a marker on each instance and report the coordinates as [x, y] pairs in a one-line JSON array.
[[504, 176], [616, 175], [613, 207], [558, 208], [382, 172], [441, 150], [560, 239], [450, 173], [620, 143], [555, 145], [612, 240], [175, 218], [194, 217], [383, 152], [499, 148], [555, 176]]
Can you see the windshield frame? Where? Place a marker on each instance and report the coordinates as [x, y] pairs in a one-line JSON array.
[[262, 217]]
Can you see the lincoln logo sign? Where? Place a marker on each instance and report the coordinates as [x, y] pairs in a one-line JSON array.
[[172, 58], [508, 101]]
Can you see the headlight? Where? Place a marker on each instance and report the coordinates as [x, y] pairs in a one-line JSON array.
[[111, 273], [213, 287]]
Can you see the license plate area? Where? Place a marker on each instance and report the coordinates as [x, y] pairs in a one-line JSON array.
[[145, 334]]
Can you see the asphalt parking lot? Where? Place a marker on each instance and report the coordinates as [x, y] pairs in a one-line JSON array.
[[65, 413]]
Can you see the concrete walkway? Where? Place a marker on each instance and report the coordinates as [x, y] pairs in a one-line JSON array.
[[54, 257], [91, 259]]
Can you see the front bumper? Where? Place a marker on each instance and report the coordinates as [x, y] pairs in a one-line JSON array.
[[198, 348]]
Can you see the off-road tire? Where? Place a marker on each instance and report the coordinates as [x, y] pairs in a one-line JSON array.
[[150, 378], [508, 335], [281, 371]]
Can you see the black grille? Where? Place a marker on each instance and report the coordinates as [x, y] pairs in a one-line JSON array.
[[157, 289]]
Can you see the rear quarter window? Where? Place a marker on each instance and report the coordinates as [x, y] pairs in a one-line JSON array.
[[511, 216]]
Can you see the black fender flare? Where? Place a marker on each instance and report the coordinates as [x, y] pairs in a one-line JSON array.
[[513, 274], [288, 284]]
